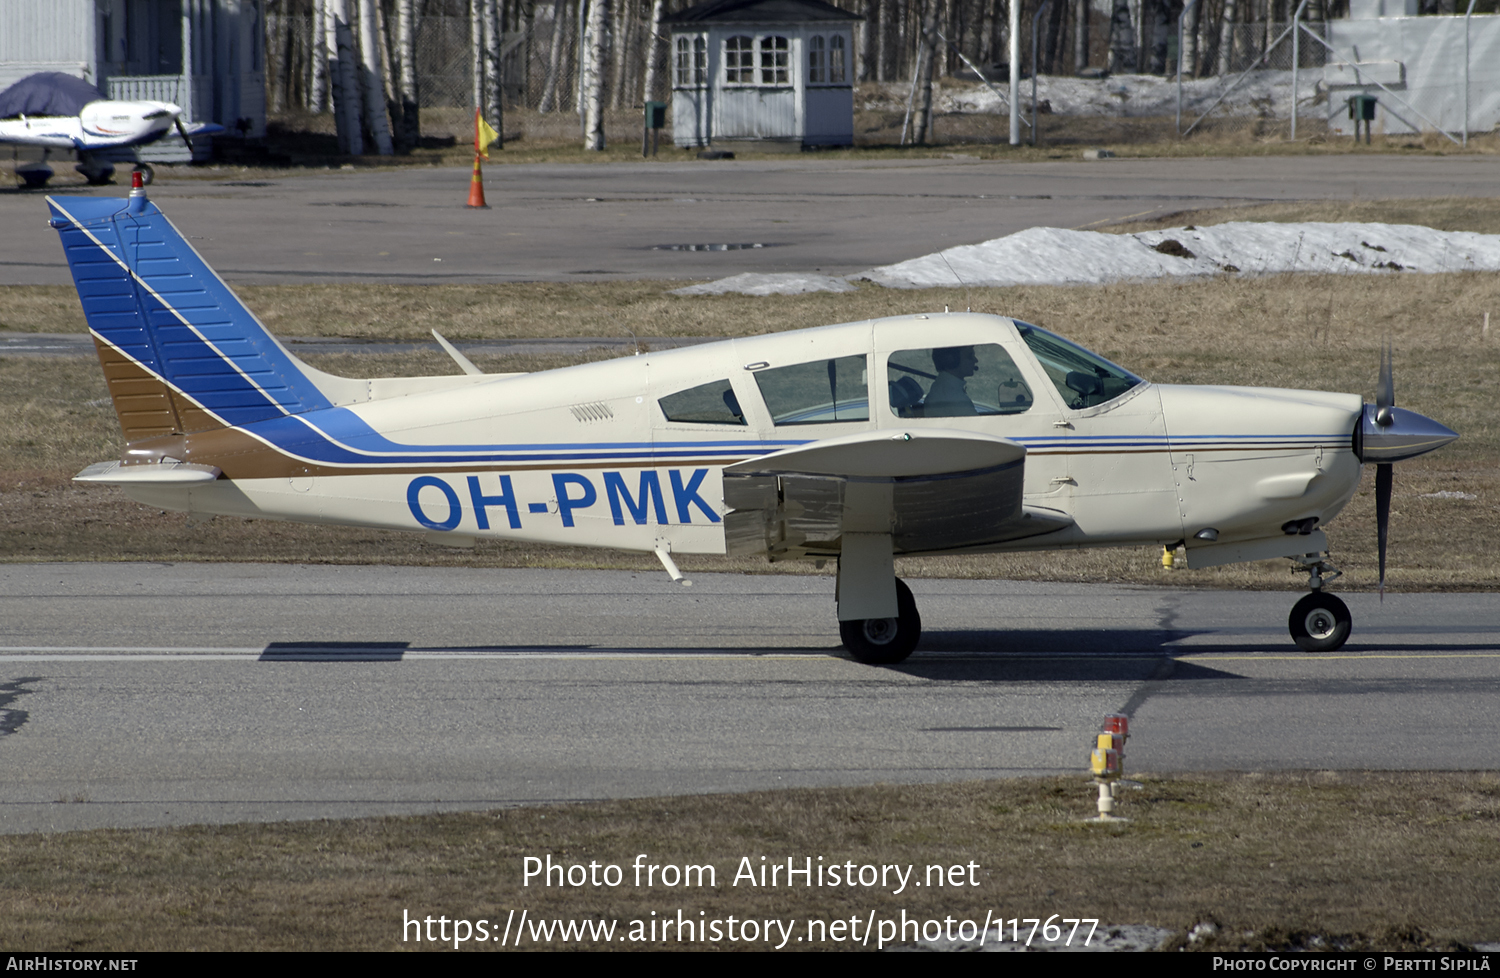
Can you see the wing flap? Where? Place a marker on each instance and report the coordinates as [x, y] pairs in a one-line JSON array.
[[931, 490]]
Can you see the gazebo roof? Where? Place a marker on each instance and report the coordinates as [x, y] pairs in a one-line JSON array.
[[761, 12]]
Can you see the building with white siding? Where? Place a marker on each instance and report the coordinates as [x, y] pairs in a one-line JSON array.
[[767, 71], [206, 56]]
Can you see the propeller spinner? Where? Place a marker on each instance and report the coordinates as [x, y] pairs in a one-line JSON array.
[[1390, 434]]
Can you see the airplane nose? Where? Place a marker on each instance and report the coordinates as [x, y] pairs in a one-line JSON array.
[[1390, 434]]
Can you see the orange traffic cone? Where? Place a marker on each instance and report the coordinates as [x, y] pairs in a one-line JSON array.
[[476, 188]]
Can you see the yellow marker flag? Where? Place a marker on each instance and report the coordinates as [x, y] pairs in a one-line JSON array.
[[483, 135]]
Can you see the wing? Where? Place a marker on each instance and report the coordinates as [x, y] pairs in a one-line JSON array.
[[931, 490]]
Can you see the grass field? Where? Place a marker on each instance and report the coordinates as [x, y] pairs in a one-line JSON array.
[[1362, 861]]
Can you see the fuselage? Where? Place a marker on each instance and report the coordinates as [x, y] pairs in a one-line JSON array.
[[629, 453], [100, 125]]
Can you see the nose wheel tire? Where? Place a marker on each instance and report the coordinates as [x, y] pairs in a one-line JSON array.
[[1320, 622], [885, 641]]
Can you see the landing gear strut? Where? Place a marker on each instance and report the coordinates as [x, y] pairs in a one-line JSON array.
[[1319, 622], [885, 641]]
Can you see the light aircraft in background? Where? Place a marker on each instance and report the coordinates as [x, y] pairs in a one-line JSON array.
[[99, 126], [857, 443]]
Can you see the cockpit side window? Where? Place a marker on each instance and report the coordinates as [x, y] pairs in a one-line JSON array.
[[820, 392], [956, 381], [713, 403], [1082, 377]]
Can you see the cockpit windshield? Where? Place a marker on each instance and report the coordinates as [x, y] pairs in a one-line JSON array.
[[1082, 377]]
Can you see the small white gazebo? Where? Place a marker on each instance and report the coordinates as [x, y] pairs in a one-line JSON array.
[[778, 71]]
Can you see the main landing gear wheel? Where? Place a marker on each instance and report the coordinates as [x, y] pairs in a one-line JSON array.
[[147, 173], [885, 641], [1320, 622]]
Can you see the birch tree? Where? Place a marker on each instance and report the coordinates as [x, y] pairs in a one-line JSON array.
[[318, 94], [406, 46], [494, 81], [374, 83], [653, 51], [595, 50], [1226, 37], [346, 98], [549, 99], [926, 62]]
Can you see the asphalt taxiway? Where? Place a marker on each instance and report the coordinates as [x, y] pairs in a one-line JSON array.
[[158, 694], [689, 219]]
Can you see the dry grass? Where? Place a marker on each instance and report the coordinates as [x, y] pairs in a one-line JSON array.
[[1370, 861], [1315, 332], [1477, 214]]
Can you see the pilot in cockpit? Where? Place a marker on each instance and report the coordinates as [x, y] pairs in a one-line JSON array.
[[949, 397]]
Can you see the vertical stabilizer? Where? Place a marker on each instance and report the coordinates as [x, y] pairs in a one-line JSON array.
[[180, 351]]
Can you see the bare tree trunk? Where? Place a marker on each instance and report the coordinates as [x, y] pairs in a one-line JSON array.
[[318, 101], [926, 63], [548, 102], [866, 40], [1080, 35], [374, 85], [619, 50], [1161, 29], [1187, 58], [1055, 21], [347, 102], [494, 80], [1226, 38], [409, 127], [1208, 48], [882, 42], [476, 53], [1121, 38], [986, 35], [652, 50], [592, 86]]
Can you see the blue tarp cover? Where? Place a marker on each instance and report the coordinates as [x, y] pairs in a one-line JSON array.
[[47, 93]]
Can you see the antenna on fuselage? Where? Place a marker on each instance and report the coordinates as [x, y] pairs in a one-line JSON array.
[[968, 305]]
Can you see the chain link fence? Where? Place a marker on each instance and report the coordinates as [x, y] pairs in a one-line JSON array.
[[1237, 84]]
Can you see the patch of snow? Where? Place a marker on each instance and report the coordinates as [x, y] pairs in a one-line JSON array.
[[775, 283], [1446, 494], [1053, 256], [1263, 94]]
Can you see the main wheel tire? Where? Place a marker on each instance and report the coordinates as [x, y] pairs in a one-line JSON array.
[[885, 641], [147, 172], [1320, 622]]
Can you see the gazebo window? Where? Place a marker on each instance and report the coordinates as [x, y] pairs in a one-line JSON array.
[[817, 60], [774, 63], [739, 60], [692, 60], [836, 75]]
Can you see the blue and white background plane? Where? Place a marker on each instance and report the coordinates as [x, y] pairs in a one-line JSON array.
[[941, 433]]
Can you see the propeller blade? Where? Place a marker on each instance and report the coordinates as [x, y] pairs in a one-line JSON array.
[[182, 130], [1383, 473], [1385, 391]]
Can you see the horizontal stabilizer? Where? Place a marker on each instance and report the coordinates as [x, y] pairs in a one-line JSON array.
[[160, 473]]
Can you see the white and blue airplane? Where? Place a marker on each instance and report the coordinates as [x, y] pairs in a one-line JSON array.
[[948, 433], [98, 127]]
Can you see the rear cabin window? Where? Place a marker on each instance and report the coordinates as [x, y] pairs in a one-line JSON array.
[[820, 392], [713, 403], [956, 381]]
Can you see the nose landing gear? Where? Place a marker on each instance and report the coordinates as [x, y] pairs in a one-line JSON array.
[[1319, 622]]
